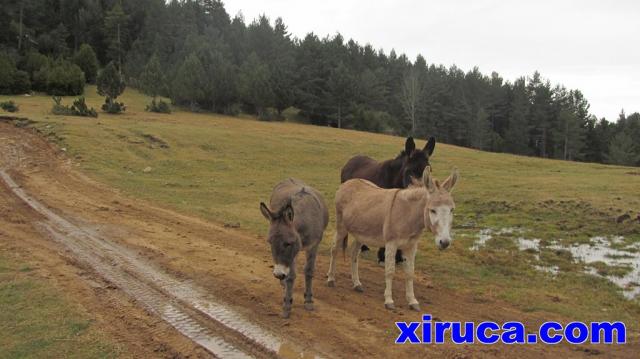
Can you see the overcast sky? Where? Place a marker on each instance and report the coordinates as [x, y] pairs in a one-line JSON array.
[[590, 45]]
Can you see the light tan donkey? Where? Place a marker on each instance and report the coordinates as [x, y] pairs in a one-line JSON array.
[[392, 218]]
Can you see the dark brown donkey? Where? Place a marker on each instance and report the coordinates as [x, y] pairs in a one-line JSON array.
[[395, 173]]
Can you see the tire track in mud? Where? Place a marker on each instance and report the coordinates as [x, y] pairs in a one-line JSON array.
[[213, 326]]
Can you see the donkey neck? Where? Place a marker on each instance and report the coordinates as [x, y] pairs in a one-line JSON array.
[[410, 202], [413, 196], [391, 172]]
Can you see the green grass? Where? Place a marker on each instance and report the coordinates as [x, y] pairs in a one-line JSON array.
[[220, 168], [38, 321]]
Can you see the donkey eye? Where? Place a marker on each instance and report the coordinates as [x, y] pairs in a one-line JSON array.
[[433, 211]]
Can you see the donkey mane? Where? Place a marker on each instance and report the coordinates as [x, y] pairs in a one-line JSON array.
[[279, 213]]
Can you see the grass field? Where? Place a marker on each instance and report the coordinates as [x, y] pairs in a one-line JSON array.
[[220, 168], [39, 321]]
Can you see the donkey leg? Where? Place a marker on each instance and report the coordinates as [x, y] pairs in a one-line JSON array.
[[381, 256], [410, 275], [288, 291], [389, 271], [338, 240], [331, 275], [355, 277], [309, 268]]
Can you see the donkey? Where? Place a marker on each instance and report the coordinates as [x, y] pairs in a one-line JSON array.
[[395, 173], [298, 217], [393, 218]]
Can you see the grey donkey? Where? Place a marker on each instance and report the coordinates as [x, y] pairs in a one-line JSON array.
[[297, 217]]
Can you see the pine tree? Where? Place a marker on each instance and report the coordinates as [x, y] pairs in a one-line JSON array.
[[187, 85], [153, 83], [111, 85], [54, 42], [497, 107], [115, 27], [540, 113], [216, 12], [517, 133], [220, 81], [7, 73], [152, 80], [341, 90], [583, 118], [282, 68], [475, 95], [254, 85], [371, 89], [86, 59], [458, 112], [436, 93], [622, 150], [312, 80], [569, 133], [479, 130], [411, 96]]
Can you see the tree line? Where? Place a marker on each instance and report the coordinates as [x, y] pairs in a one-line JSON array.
[[195, 53]]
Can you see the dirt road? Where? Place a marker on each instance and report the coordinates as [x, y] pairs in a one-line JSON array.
[[172, 285]]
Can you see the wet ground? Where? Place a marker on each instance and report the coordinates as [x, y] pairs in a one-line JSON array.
[[602, 251]]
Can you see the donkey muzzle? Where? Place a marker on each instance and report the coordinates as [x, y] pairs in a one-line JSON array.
[[443, 243], [280, 271]]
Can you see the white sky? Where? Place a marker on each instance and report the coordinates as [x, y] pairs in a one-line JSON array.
[[590, 45]]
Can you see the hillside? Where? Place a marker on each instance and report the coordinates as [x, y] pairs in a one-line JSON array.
[[524, 216]]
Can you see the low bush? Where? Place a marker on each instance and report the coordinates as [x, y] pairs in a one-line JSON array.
[[233, 109], [159, 106], [40, 77], [79, 108], [12, 80], [21, 83], [9, 106], [112, 106], [270, 114], [33, 62], [64, 79], [7, 69]]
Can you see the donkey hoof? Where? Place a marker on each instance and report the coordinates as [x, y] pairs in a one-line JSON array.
[[389, 306], [331, 283], [415, 307], [358, 288], [309, 306]]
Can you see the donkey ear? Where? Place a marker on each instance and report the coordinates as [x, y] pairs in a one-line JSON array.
[[450, 182], [265, 211], [428, 179], [409, 146], [288, 213], [430, 146]]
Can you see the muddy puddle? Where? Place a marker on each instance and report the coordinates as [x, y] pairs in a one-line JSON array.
[[608, 251], [600, 250]]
